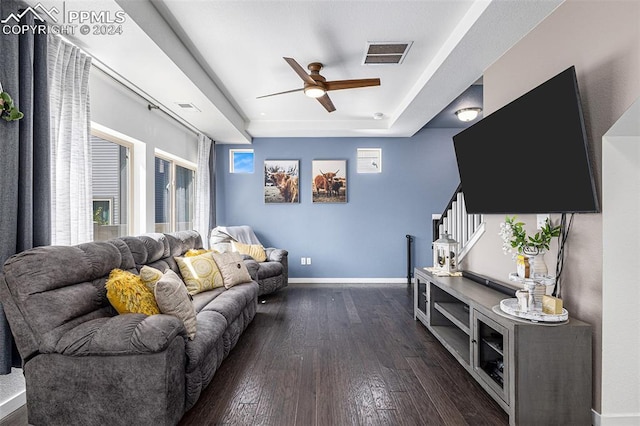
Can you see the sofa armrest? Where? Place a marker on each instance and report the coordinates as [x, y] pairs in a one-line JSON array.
[[276, 255], [121, 335]]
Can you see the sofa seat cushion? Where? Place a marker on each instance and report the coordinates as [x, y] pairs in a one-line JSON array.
[[269, 269], [211, 326], [232, 301], [201, 300]]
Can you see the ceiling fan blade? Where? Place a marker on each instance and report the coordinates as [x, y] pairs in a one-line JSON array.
[[300, 71], [326, 103], [352, 84], [280, 93]]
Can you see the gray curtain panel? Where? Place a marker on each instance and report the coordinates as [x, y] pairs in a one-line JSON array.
[[25, 195]]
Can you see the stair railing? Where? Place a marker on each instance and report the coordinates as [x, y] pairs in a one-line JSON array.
[[463, 227]]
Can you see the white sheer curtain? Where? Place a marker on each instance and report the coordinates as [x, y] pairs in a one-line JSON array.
[[203, 189], [72, 206]]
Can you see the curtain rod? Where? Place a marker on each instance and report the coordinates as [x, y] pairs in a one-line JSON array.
[[152, 102]]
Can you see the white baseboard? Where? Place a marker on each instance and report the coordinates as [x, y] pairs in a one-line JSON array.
[[10, 405], [348, 280], [615, 420], [12, 392]]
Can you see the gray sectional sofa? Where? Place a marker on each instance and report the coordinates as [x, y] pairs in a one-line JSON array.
[[86, 365]]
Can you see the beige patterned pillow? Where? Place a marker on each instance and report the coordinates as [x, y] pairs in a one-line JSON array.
[[173, 299], [150, 276], [254, 250], [233, 269], [200, 273]]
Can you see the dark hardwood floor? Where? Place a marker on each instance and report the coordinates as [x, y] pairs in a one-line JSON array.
[[319, 354]]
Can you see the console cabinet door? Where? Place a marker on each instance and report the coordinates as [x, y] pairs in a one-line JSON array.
[[420, 298], [491, 366]]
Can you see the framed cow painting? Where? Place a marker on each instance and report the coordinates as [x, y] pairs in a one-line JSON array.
[[329, 181], [281, 181]]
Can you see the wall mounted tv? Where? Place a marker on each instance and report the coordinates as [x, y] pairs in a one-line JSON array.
[[529, 156]]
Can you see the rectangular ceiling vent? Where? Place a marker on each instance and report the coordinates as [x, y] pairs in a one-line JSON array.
[[386, 53], [188, 107]]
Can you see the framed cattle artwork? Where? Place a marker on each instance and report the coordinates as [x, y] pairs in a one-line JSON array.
[[329, 181], [281, 181]]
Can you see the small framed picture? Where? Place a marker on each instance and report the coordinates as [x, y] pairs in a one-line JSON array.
[[281, 181], [329, 181]]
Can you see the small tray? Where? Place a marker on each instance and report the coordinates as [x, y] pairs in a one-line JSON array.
[[511, 307], [544, 279]]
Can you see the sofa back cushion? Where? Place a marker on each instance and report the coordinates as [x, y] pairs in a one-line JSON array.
[[157, 250]]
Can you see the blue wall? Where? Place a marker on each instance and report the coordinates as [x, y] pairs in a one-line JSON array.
[[364, 238]]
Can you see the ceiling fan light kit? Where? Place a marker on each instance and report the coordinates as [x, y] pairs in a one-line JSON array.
[[314, 91], [316, 86]]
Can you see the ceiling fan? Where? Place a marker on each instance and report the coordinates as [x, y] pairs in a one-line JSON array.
[[316, 86]]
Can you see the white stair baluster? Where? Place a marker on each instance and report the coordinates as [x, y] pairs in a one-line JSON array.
[[453, 222]]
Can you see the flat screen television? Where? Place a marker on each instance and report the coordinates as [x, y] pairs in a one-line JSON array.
[[531, 155]]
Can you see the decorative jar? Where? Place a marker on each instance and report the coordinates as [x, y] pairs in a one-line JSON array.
[[523, 268]]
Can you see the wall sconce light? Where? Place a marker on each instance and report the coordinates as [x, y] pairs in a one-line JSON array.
[[468, 114]]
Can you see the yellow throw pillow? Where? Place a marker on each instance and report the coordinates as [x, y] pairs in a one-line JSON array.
[[150, 276], [232, 268], [128, 294], [199, 273], [196, 252], [254, 250]]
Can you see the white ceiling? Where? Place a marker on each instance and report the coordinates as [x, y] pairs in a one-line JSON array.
[[221, 55]]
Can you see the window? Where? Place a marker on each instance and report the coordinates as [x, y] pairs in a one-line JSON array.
[[241, 161], [111, 182], [369, 160], [175, 194]]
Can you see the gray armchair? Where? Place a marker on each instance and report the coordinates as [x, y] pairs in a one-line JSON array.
[[272, 274]]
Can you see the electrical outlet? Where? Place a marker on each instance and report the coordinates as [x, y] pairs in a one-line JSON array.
[[303, 260], [308, 261], [540, 220]]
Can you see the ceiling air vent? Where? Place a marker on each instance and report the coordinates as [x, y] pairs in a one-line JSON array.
[[188, 107], [385, 53]]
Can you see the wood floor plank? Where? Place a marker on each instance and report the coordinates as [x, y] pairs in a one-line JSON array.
[[421, 401], [306, 404], [352, 312], [437, 394], [407, 413]]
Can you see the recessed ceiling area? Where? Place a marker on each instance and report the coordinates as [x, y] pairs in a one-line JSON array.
[[220, 56]]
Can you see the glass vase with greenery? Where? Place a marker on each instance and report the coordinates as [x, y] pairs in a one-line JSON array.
[[516, 241]]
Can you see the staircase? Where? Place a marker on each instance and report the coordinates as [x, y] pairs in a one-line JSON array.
[[465, 228]]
